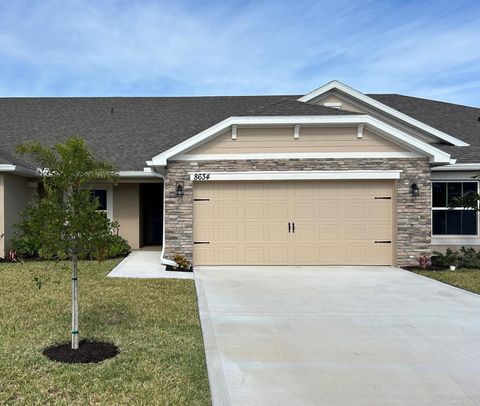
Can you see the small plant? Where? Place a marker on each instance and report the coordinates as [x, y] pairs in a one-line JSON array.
[[424, 261], [470, 258], [183, 263], [449, 259]]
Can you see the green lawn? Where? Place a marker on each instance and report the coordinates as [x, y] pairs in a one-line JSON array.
[[154, 322], [468, 279]]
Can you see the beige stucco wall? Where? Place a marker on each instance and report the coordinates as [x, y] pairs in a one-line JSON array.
[[126, 210], [311, 139], [14, 196]]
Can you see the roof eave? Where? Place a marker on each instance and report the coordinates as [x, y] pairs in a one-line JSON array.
[[18, 170]]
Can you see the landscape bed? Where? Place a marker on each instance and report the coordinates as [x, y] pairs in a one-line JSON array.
[[153, 322], [467, 279]]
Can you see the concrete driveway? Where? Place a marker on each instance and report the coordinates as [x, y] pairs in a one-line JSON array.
[[338, 336]]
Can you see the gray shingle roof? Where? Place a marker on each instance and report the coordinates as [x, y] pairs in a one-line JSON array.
[[462, 122], [130, 130]]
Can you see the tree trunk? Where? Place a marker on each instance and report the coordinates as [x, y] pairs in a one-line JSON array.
[[75, 333]]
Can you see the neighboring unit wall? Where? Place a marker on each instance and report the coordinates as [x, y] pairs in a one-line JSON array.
[[412, 215], [14, 195], [311, 139], [126, 210]]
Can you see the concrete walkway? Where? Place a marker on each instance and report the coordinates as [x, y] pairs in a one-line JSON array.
[[338, 336], [145, 264]]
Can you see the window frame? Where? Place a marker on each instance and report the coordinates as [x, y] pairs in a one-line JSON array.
[[109, 190], [454, 236]]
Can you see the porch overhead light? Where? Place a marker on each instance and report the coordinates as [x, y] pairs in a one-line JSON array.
[[415, 190]]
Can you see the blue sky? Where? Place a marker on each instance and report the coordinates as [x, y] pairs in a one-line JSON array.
[[123, 48]]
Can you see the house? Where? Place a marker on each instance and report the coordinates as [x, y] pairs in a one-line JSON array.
[[332, 177]]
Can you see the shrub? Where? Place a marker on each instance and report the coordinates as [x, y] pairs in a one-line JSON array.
[[424, 262], [470, 258], [27, 246], [182, 262], [118, 247], [445, 260]]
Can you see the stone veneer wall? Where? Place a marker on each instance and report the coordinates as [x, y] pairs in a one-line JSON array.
[[412, 214]]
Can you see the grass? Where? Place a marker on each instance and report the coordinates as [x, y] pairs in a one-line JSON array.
[[468, 279], [154, 322]]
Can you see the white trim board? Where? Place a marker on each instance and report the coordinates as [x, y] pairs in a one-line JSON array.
[[296, 155], [294, 175], [436, 155], [18, 170], [334, 84], [460, 240], [458, 167], [137, 174]]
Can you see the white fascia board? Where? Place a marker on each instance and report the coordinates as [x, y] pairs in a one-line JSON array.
[[295, 175], [382, 107], [137, 174], [20, 170], [298, 155], [437, 156], [458, 167]]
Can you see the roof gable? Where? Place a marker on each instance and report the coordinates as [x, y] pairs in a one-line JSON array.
[[436, 155], [378, 105]]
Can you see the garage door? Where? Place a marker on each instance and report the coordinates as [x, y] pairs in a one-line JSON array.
[[293, 222]]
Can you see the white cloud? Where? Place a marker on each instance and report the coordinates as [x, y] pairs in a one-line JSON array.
[[111, 47]]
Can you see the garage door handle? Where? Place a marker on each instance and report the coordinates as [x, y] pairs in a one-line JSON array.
[[383, 242], [293, 228], [289, 227]]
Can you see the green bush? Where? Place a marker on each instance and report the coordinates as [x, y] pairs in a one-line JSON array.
[[28, 246], [118, 247], [466, 258], [470, 258], [445, 260]]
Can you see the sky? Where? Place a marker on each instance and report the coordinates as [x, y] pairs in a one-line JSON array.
[[427, 49]]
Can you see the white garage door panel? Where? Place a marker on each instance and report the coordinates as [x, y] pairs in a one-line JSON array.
[[336, 223]]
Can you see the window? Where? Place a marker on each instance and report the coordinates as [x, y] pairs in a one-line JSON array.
[[456, 221], [101, 195]]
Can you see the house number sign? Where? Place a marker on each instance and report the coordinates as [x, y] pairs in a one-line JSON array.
[[201, 176]]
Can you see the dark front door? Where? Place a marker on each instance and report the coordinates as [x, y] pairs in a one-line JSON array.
[[152, 213]]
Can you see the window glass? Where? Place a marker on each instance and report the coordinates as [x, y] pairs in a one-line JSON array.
[[447, 221], [439, 222], [101, 195], [439, 194], [454, 190], [454, 222], [469, 187], [469, 222]]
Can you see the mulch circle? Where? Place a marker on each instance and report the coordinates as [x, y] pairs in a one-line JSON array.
[[88, 352]]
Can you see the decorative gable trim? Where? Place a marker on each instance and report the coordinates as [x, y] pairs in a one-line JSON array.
[[436, 155], [382, 107]]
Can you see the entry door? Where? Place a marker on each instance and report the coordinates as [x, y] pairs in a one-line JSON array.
[[294, 222]]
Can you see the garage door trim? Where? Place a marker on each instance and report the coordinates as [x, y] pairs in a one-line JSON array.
[[206, 176]]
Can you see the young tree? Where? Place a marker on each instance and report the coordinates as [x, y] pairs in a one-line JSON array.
[[65, 219]]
